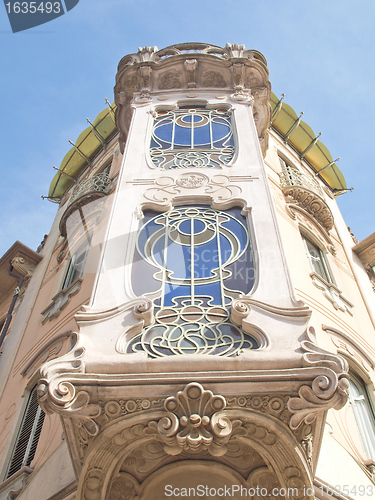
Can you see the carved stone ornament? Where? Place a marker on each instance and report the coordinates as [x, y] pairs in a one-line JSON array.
[[333, 294], [23, 266], [195, 421], [312, 203], [188, 66], [58, 395], [170, 80], [328, 390], [61, 300], [191, 66], [219, 188], [213, 79]]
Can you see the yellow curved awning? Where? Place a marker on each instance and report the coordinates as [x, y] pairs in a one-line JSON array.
[[86, 145], [301, 136]]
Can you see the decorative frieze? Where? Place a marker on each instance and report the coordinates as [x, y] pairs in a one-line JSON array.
[[219, 188], [193, 66]]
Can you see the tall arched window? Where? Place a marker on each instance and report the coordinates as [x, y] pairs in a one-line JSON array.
[[363, 414], [193, 137], [317, 259], [193, 261]]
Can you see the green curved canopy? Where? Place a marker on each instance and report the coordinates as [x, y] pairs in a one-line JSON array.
[[87, 144], [301, 136]]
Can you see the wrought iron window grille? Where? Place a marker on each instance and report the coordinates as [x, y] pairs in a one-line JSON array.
[[192, 138], [193, 261]]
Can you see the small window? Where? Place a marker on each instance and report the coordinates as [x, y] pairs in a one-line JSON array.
[[363, 414], [28, 436], [76, 265], [316, 259]]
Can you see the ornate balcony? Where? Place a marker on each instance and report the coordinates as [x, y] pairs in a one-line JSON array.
[[85, 192], [303, 191], [100, 183]]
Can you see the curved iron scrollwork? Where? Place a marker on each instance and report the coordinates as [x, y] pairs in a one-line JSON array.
[[193, 261], [192, 138]]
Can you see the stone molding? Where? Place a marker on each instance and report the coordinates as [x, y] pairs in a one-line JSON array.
[[61, 300], [23, 266], [221, 191], [275, 443], [51, 348], [365, 250], [333, 294], [57, 392], [240, 72], [310, 225], [357, 349], [12, 487]]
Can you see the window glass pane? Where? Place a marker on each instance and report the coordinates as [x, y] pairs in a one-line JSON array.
[[195, 137], [76, 265], [363, 414], [193, 261], [316, 258]]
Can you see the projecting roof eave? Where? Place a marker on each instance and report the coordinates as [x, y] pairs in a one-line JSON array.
[[86, 146], [302, 139], [18, 249]]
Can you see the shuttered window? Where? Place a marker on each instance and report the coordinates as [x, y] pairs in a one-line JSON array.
[[28, 436]]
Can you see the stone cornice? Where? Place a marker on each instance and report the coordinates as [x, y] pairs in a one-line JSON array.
[[365, 250], [234, 70], [23, 259]]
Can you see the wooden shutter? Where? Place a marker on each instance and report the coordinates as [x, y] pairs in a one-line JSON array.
[[28, 436]]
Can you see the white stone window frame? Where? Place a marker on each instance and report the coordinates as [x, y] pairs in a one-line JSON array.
[[329, 289], [191, 103], [323, 254], [364, 414]]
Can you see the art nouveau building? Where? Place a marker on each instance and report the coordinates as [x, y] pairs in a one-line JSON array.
[[199, 321]]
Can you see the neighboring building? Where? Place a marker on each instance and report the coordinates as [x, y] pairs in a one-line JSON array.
[[199, 310]]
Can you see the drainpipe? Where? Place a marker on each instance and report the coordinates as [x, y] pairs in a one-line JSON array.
[[13, 303]]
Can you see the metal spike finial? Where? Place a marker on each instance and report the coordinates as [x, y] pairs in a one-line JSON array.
[[96, 132]]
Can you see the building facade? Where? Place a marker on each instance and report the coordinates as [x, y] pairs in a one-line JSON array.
[[199, 312]]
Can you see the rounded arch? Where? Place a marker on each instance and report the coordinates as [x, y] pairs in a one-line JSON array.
[[268, 436]]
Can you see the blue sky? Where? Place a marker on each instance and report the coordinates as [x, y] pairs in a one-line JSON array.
[[320, 54]]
